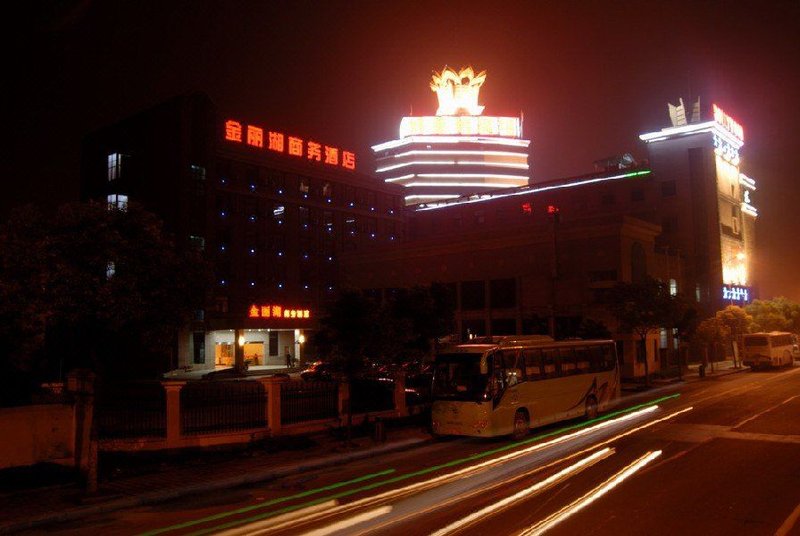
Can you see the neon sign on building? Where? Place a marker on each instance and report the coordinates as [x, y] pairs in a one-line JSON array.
[[276, 311], [735, 293], [254, 136]]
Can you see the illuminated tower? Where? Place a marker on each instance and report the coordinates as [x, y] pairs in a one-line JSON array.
[[707, 202], [458, 151]]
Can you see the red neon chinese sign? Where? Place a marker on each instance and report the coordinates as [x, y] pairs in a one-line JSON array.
[[276, 311], [254, 136]]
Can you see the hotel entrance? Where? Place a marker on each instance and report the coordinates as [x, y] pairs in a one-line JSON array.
[[262, 347]]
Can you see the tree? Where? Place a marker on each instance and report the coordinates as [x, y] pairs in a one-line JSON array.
[[777, 314], [710, 332], [642, 308], [96, 288], [427, 313], [737, 322]]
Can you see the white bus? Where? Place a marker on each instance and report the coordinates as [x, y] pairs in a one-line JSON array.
[[511, 384], [774, 349]]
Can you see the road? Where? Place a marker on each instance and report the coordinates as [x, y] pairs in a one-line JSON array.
[[720, 456]]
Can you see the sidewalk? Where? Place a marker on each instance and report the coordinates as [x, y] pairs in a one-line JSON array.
[[692, 374], [152, 479]]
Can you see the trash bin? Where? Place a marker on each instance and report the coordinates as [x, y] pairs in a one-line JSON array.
[[702, 370], [378, 431]]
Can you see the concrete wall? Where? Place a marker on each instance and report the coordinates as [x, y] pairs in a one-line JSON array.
[[40, 434]]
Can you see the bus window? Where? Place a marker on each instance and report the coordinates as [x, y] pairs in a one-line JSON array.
[[550, 363], [533, 364], [583, 360], [567, 356], [609, 359]]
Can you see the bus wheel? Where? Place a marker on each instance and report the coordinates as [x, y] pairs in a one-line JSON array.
[[591, 408], [521, 424]]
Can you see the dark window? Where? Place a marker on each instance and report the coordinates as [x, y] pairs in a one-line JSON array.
[[504, 326], [596, 276], [583, 360], [567, 356], [550, 367], [638, 263], [273, 343], [472, 327], [607, 199], [637, 194], [473, 295], [199, 347], [668, 188], [503, 293]]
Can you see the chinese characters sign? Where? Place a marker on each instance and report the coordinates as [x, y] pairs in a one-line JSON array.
[[736, 294], [276, 311], [460, 125], [728, 123], [278, 142]]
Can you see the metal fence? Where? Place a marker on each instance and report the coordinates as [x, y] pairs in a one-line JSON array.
[[369, 395], [131, 410], [224, 406], [308, 401]]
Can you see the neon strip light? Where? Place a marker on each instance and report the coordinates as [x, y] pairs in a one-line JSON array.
[[708, 126], [459, 152], [533, 190], [478, 175], [433, 196], [393, 179], [453, 162], [495, 185], [450, 139]]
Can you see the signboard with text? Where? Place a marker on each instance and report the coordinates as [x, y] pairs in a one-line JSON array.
[[737, 294], [272, 310]]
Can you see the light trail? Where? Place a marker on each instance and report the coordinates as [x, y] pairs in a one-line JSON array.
[[347, 523], [647, 406], [532, 490], [554, 519], [278, 522]]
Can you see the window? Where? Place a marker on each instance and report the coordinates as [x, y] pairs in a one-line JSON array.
[[198, 243], [503, 293], [115, 162], [607, 199], [668, 189], [583, 360], [673, 287], [117, 202], [669, 224], [550, 363], [327, 220], [473, 295], [567, 357], [596, 276], [273, 343], [110, 269], [504, 326], [199, 347], [638, 263], [533, 364], [198, 173], [350, 225], [637, 194], [305, 218]]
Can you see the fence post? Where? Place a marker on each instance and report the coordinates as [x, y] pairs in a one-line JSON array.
[[400, 395], [272, 386], [80, 384], [173, 392], [344, 400]]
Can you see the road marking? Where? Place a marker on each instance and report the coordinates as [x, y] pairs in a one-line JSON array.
[[587, 499], [757, 415], [532, 490], [784, 529], [347, 523], [772, 438]]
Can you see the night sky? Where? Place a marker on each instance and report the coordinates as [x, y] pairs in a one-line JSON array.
[[589, 77]]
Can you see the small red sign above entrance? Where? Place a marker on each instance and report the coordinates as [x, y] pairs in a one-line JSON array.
[[254, 136], [276, 311]]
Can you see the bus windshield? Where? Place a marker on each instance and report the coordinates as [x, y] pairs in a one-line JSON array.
[[458, 377]]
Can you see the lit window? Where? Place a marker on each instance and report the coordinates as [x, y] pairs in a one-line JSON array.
[[115, 166], [279, 213], [198, 172], [110, 270], [197, 243], [673, 287], [117, 202]]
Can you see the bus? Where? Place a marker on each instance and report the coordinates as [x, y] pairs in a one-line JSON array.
[[774, 349], [508, 385]]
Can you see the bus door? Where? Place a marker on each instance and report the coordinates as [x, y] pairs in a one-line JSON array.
[[505, 377]]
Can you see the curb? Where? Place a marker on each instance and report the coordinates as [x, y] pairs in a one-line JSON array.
[[223, 483]]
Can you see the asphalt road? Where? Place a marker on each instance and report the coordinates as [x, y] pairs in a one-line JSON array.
[[720, 456]]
